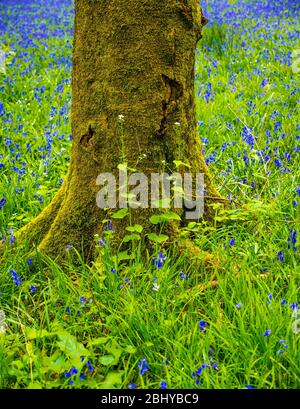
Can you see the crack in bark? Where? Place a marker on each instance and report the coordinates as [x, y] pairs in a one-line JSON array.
[[186, 11], [173, 92], [86, 138]]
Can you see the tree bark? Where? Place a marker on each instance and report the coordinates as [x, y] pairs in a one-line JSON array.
[[133, 58]]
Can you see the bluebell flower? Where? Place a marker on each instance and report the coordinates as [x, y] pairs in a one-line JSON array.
[[132, 386], [231, 242], [280, 255], [238, 306], [292, 239], [283, 302], [32, 288], [167, 363], [163, 385], [102, 242], [267, 333], [183, 276], [2, 202], [159, 260], [143, 367], [73, 371], [17, 280], [249, 387], [202, 325], [29, 262]]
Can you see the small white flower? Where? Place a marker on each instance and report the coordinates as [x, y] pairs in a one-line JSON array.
[[155, 287], [177, 123], [121, 117]]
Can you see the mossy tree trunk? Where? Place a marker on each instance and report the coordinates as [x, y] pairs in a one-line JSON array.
[[133, 58]]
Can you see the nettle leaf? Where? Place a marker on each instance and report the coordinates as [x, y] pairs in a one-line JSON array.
[[158, 238], [113, 380], [120, 214], [71, 347], [131, 237], [137, 228]]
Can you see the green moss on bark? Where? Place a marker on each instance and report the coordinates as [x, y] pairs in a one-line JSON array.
[[134, 58]]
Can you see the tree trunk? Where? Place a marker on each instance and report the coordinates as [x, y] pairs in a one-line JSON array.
[[131, 58]]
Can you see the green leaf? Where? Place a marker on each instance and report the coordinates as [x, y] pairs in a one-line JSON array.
[[131, 237], [120, 214], [137, 228], [164, 217], [71, 347], [178, 163], [158, 238], [113, 380], [32, 333], [99, 341], [107, 360], [115, 350], [130, 349], [123, 255], [35, 385]]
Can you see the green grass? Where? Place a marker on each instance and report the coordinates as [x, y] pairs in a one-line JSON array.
[[143, 311]]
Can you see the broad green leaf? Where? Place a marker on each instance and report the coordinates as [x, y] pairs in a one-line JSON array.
[[164, 217], [137, 228], [120, 214], [130, 349], [115, 350], [71, 347], [107, 360], [99, 341], [131, 237], [158, 238], [113, 380]]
